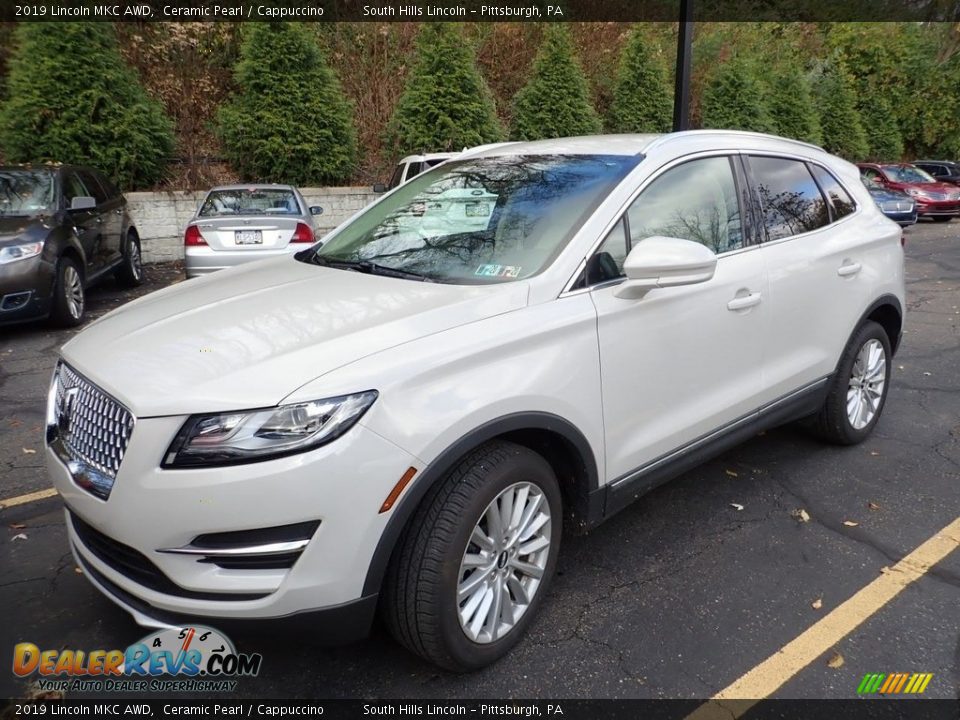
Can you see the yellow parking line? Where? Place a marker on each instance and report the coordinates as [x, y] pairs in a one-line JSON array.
[[770, 675], [28, 498]]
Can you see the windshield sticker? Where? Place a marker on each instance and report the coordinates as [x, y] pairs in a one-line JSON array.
[[509, 271]]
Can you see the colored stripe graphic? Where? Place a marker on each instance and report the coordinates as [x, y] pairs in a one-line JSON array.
[[894, 683]]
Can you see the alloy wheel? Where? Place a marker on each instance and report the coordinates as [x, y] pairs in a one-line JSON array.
[[133, 257], [504, 562], [867, 381], [73, 291]]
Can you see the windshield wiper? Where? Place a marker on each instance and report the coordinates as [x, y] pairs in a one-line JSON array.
[[370, 268]]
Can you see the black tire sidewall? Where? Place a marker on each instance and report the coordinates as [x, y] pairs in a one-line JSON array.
[[524, 466], [849, 434]]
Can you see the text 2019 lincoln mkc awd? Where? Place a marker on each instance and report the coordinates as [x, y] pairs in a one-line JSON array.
[[404, 417]]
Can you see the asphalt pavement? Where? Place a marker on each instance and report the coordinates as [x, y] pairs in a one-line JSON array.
[[678, 596]]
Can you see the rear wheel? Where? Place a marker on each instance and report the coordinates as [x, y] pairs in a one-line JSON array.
[[858, 390], [69, 300], [475, 562], [130, 271]]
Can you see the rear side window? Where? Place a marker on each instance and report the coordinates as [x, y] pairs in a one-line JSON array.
[[840, 200], [73, 187], [790, 199]]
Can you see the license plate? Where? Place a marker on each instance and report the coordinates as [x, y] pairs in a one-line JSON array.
[[248, 237]]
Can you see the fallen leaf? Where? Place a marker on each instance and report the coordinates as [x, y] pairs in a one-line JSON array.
[[29, 451], [835, 661], [78, 571], [800, 515], [927, 374], [736, 506], [17, 526], [850, 523], [874, 453], [817, 604], [21, 536], [872, 506], [731, 473]]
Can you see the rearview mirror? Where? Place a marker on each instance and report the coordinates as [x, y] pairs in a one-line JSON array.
[[83, 202], [379, 188], [316, 210], [659, 262]]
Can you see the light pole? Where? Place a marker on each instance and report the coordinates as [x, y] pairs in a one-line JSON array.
[[681, 89]]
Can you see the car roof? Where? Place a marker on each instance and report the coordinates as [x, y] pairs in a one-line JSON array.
[[428, 156], [952, 163], [639, 144]]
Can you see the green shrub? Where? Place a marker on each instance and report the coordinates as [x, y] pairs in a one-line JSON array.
[[836, 100], [446, 104], [72, 99], [791, 105], [642, 101], [555, 102], [734, 99], [289, 121], [884, 139]]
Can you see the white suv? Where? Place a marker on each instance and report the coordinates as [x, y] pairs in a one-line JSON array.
[[407, 415]]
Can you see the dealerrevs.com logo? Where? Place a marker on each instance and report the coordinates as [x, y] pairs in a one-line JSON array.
[[188, 659]]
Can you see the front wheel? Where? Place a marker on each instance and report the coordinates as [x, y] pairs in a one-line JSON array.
[[130, 271], [475, 562], [68, 295], [858, 391]]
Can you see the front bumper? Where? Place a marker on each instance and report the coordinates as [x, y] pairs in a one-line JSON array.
[[25, 290], [341, 485], [935, 208]]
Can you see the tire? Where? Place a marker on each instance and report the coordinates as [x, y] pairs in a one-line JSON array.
[[130, 271], [855, 401], [942, 218], [69, 299], [420, 601]]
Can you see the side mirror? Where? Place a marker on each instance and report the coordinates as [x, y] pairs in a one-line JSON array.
[[659, 262], [379, 188], [316, 210], [83, 202]]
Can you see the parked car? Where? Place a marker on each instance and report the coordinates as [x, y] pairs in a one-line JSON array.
[[236, 224], [937, 200], [412, 424], [896, 205], [62, 228], [941, 170], [411, 166]]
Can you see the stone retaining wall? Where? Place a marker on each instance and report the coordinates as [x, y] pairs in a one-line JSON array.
[[160, 217]]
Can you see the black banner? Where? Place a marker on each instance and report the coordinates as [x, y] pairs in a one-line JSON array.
[[874, 709], [476, 10]]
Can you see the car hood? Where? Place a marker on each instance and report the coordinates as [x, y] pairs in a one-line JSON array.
[[248, 337], [937, 187], [18, 229], [879, 195]]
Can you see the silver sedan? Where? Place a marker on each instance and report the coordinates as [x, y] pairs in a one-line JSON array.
[[240, 223]]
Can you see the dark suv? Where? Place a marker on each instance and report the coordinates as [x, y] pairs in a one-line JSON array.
[[62, 228], [942, 170]]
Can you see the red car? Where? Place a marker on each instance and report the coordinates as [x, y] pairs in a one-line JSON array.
[[937, 200]]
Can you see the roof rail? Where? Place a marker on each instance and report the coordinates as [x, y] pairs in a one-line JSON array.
[[667, 137]]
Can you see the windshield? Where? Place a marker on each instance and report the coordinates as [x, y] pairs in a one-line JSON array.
[[908, 175], [249, 201], [26, 192], [484, 220]]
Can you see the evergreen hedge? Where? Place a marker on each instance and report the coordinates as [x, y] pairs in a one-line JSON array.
[[734, 98], [792, 109], [289, 121], [642, 101], [446, 104], [836, 100], [72, 99], [555, 102]]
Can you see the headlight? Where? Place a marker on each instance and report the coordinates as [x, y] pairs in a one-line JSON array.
[[914, 192], [12, 253], [251, 435]]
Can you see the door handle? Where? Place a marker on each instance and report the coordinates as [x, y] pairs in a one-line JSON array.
[[848, 269], [744, 301]]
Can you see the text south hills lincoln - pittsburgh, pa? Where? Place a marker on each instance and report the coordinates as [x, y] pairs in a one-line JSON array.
[[451, 11]]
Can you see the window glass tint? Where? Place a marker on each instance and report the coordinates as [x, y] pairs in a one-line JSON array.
[[26, 193], [839, 198], [694, 201], [414, 169], [607, 263], [73, 187], [907, 174], [252, 201], [396, 177], [483, 220], [792, 203], [93, 186]]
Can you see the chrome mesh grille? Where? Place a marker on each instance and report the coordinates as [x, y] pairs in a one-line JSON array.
[[96, 429]]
